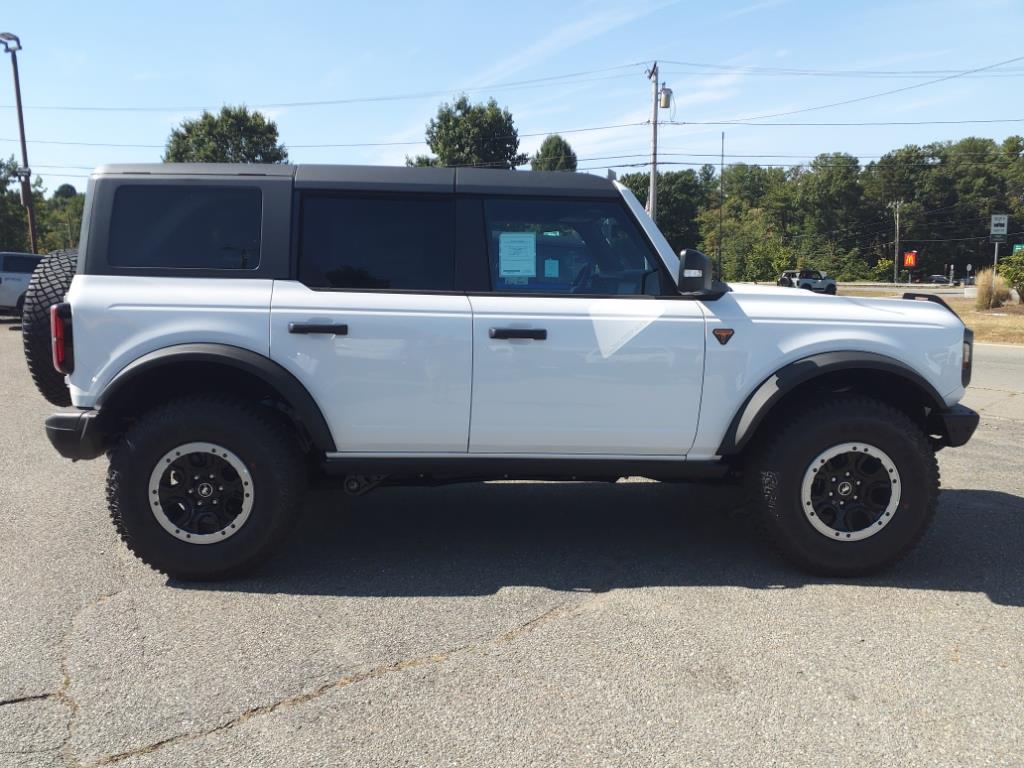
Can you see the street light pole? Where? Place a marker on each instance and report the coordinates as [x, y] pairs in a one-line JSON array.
[[12, 45]]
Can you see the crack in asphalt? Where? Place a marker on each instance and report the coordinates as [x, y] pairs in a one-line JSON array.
[[23, 699], [564, 609], [63, 695]]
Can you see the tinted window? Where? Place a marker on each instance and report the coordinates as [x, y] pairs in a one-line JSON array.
[[399, 243], [567, 247], [24, 264], [186, 227]]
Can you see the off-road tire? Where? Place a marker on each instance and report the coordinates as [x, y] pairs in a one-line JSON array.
[[257, 437], [49, 283], [776, 472]]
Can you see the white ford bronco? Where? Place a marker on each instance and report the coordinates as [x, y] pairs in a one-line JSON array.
[[226, 334]]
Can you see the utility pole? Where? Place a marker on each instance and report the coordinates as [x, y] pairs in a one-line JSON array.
[[661, 98], [896, 247], [721, 205], [652, 192], [12, 45]]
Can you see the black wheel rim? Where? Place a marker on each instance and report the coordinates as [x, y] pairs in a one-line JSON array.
[[201, 493], [850, 491]]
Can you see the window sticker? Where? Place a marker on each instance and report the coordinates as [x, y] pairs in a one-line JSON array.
[[550, 267], [517, 254]]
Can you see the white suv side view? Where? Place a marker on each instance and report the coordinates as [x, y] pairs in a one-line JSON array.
[[15, 271], [232, 332], [808, 279]]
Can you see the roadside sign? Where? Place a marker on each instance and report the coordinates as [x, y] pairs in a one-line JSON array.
[[970, 267], [1000, 224], [909, 259], [1018, 247]]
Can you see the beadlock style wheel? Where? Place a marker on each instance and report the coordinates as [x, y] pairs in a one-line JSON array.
[[850, 491], [201, 493]]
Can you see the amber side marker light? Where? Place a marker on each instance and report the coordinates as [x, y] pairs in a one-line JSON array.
[[723, 335]]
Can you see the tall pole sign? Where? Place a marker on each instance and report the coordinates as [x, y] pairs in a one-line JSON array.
[[997, 235]]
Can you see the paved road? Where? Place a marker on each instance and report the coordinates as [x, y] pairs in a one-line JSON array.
[[515, 624]]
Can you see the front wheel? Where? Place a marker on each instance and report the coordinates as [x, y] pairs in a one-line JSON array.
[[204, 488], [847, 488]]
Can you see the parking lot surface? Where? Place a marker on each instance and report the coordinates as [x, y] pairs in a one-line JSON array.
[[518, 624]]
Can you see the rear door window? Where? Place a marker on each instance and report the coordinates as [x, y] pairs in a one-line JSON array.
[[552, 246], [180, 226], [377, 243], [19, 264]]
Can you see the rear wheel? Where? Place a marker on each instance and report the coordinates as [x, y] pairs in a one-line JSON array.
[[49, 284], [847, 488], [205, 488], [830, 290]]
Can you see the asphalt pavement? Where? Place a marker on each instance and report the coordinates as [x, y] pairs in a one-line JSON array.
[[514, 624]]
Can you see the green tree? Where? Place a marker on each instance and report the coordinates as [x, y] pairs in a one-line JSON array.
[[679, 202], [472, 134], [13, 223], [234, 135], [555, 154], [60, 219]]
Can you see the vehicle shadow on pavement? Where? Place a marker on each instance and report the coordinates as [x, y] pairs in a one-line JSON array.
[[12, 323], [476, 539]]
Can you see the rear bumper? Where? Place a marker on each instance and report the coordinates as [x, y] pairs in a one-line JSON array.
[[76, 435], [955, 425]]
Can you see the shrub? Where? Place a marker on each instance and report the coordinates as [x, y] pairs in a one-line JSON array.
[[991, 293], [1012, 268], [882, 271]]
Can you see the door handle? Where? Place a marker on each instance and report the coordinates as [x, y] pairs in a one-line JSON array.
[[338, 329], [538, 334]]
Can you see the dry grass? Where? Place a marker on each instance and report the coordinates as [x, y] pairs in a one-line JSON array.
[[1000, 326]]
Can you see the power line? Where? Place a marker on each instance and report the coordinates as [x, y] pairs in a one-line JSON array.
[[863, 123], [340, 145], [857, 73], [905, 88], [572, 78], [345, 145]]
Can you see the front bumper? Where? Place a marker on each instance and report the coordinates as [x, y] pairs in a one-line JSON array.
[[76, 435], [955, 426]]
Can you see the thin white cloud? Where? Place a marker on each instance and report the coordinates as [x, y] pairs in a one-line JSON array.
[[566, 36], [754, 8]]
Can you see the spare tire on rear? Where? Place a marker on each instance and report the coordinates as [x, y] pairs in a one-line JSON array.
[[49, 284]]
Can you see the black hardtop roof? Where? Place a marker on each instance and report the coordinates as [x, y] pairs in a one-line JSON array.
[[385, 178]]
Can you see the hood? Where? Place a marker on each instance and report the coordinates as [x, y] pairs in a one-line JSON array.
[[769, 302]]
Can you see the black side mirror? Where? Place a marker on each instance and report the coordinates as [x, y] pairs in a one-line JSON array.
[[695, 275]]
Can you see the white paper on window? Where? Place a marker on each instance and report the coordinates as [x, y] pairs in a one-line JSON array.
[[517, 254]]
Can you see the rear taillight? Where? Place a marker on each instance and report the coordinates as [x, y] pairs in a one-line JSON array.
[[61, 338]]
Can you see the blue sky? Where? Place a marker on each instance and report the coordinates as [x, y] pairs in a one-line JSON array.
[[171, 58]]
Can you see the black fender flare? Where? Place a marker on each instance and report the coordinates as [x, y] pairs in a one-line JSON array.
[[761, 401], [274, 375]]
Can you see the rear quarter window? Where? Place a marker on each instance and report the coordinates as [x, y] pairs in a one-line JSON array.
[[185, 227]]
